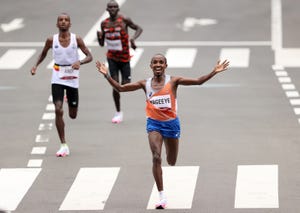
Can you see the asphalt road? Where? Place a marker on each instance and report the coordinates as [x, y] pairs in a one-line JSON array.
[[246, 116]]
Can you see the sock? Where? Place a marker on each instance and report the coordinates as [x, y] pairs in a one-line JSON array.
[[162, 195]]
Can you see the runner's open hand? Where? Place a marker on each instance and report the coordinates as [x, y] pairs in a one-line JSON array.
[[221, 66], [101, 68]]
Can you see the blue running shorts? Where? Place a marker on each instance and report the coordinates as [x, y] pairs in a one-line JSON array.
[[168, 129]]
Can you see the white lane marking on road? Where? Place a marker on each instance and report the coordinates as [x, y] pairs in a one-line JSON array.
[[297, 111], [15, 24], [35, 163], [15, 58], [276, 25], [156, 43], [284, 79], [281, 73], [90, 189], [179, 185], [39, 150], [14, 184], [45, 126], [48, 116], [288, 57], [256, 186], [50, 107], [288, 86], [212, 85], [136, 55], [295, 101], [292, 94], [50, 99], [290, 89], [175, 55], [238, 57], [41, 138], [91, 35]]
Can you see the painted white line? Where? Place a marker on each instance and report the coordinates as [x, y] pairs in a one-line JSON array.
[[179, 185], [238, 57], [136, 55], [276, 25], [47, 126], [277, 67], [288, 86], [212, 85], [90, 189], [175, 55], [281, 73], [15, 58], [288, 57], [91, 35], [48, 116], [50, 99], [202, 43], [35, 163], [22, 44], [284, 79], [257, 186], [292, 94], [7, 88], [38, 150], [50, 107], [14, 184], [155, 43], [297, 111], [41, 138], [295, 101]]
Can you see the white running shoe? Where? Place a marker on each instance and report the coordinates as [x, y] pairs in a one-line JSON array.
[[162, 204], [118, 117], [63, 151]]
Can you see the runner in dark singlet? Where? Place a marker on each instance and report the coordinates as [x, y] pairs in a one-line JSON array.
[[114, 31]]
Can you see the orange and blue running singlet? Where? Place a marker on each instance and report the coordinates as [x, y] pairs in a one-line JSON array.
[[117, 39], [161, 110]]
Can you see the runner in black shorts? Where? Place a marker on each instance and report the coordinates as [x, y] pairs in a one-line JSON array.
[[124, 67], [114, 32], [58, 92], [65, 73]]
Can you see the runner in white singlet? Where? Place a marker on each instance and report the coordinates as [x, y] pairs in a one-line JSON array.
[[65, 73]]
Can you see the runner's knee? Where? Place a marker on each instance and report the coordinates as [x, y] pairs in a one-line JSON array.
[[156, 158], [72, 116], [73, 113], [171, 160]]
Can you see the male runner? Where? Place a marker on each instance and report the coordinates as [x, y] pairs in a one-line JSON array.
[[114, 31], [65, 73], [161, 110]]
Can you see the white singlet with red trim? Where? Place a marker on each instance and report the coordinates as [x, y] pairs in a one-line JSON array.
[[64, 57]]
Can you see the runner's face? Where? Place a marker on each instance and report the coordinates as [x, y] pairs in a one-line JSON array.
[[112, 8], [63, 22], [158, 65]]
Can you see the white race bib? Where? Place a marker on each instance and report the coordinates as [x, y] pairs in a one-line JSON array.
[[114, 44], [162, 101], [67, 72]]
